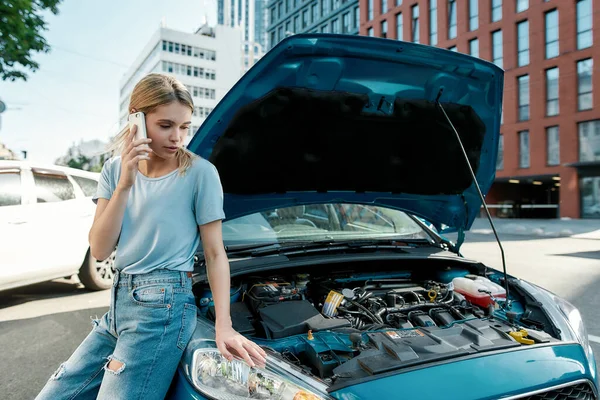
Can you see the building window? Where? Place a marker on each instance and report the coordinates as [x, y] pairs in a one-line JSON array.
[[346, 23], [473, 15], [524, 149], [324, 8], [273, 19], [589, 140], [451, 19], [497, 57], [415, 23], [356, 17], [297, 24], [370, 32], [315, 13], [384, 7], [398, 3], [496, 10], [590, 196], [584, 24], [552, 49], [522, 5], [370, 10], [399, 27], [523, 43], [305, 18], [552, 107], [384, 29], [553, 146], [335, 6], [336, 25], [584, 84], [433, 39], [474, 47], [500, 159], [453, 48], [523, 97]]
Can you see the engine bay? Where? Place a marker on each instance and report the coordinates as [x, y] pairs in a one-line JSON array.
[[348, 325]]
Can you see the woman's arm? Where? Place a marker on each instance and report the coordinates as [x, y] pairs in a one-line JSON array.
[[219, 279], [106, 228]]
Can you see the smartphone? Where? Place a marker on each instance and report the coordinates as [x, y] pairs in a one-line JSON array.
[[139, 120]]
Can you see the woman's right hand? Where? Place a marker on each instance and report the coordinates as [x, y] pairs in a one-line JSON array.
[[133, 153]]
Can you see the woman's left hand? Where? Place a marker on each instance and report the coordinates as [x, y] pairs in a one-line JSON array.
[[230, 342]]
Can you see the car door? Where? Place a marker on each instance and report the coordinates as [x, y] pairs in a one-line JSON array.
[[83, 210], [13, 227], [56, 229]]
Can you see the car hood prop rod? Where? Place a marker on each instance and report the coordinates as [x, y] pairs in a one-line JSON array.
[[487, 211]]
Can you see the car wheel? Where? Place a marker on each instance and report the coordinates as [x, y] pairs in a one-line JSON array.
[[97, 274]]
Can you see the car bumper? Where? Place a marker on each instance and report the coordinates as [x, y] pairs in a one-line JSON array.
[[509, 375]]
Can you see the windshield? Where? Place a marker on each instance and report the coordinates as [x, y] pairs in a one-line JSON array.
[[322, 221]]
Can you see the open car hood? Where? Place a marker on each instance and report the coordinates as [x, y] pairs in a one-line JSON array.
[[334, 118]]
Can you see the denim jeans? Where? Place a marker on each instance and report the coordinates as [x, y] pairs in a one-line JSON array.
[[150, 321]]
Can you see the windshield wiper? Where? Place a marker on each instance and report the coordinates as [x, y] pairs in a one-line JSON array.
[[250, 249], [326, 245]]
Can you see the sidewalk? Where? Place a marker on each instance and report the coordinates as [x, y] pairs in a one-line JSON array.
[[575, 228]]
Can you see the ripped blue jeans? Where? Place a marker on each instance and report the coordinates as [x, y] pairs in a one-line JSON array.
[[150, 321]]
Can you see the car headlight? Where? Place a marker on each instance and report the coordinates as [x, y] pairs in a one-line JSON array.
[[216, 377], [219, 378], [573, 316]]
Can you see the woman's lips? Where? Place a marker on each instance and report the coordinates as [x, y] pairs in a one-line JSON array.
[[171, 149]]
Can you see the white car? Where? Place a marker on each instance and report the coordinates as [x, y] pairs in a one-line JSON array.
[[46, 212]]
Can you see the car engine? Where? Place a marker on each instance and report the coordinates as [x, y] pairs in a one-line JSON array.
[[350, 326]]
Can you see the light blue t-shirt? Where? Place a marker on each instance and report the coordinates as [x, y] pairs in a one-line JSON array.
[[160, 224]]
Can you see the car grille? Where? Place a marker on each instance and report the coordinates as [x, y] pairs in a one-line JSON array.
[[579, 391]]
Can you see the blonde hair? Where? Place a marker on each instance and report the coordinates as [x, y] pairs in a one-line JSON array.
[[150, 92]]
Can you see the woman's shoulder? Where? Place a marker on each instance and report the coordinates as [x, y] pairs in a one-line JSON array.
[[202, 166], [113, 163]]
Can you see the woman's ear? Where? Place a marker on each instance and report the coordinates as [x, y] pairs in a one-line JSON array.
[[133, 110]]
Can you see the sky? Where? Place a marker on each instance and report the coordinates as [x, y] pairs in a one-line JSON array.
[[74, 95]]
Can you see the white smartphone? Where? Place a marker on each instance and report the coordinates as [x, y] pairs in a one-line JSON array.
[[139, 120]]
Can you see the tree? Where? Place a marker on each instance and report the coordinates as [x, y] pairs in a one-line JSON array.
[[21, 25], [81, 162]]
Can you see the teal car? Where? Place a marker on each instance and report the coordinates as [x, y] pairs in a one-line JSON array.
[[335, 270]]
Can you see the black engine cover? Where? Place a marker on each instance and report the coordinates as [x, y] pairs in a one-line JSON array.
[[296, 317]]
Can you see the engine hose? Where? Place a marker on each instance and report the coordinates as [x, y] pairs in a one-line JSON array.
[[369, 313], [364, 297], [359, 313], [449, 293], [416, 297]]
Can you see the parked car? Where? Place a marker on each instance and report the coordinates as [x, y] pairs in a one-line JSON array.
[[320, 148], [46, 213]]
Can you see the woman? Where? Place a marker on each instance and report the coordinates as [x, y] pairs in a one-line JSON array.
[[155, 202]]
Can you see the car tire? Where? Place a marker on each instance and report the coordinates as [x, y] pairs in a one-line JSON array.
[[97, 274]]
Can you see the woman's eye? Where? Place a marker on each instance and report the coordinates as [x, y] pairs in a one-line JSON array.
[[165, 126]]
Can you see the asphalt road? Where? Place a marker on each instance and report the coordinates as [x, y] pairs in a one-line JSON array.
[[41, 325]]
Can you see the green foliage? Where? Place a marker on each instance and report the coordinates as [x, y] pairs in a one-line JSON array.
[[21, 28]]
